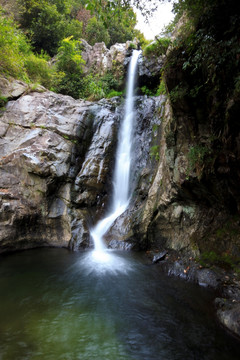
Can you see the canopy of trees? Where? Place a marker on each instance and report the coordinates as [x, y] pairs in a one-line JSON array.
[[48, 22]]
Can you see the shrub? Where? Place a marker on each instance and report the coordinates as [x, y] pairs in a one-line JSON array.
[[114, 93], [17, 59], [224, 260], [3, 101], [146, 91], [39, 70], [69, 59], [161, 89], [70, 68], [96, 87], [74, 28], [157, 48], [199, 157], [154, 152], [96, 32], [13, 48], [95, 90]]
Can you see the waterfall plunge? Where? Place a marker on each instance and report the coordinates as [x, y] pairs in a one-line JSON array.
[[121, 195]]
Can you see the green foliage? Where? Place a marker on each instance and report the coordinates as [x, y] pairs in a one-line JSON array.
[[17, 59], [206, 53], [70, 67], [155, 128], [3, 102], [93, 89], [154, 152], [74, 28], [121, 26], [141, 38], [69, 57], [113, 93], [112, 6], [48, 22], [146, 91], [132, 46], [225, 260], [162, 88], [44, 24], [110, 81], [197, 158], [13, 47], [72, 81], [118, 18], [96, 87], [96, 32], [39, 71], [52, 26], [157, 48], [178, 92]]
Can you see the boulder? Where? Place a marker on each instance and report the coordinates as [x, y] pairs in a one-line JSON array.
[[44, 142], [100, 60], [229, 315], [12, 89], [159, 256]]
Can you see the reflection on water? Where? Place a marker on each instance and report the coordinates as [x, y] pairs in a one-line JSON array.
[[55, 304]]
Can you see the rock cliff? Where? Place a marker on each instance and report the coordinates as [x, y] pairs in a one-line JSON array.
[[100, 60], [57, 156]]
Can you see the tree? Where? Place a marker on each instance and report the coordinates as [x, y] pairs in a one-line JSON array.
[[83, 15], [110, 6], [118, 19], [121, 26], [70, 66], [69, 59], [47, 22], [96, 32], [47, 29]]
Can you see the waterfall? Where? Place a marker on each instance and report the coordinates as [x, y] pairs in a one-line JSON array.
[[121, 176]]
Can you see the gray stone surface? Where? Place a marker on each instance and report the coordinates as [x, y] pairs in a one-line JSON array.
[[43, 143]]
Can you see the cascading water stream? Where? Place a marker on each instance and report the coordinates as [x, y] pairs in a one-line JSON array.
[[121, 195]]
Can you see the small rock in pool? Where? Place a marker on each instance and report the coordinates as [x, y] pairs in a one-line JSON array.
[[159, 256]]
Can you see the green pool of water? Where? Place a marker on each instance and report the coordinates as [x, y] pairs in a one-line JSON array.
[[55, 304]]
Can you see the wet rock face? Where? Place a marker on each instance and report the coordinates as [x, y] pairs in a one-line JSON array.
[[46, 141], [146, 132]]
